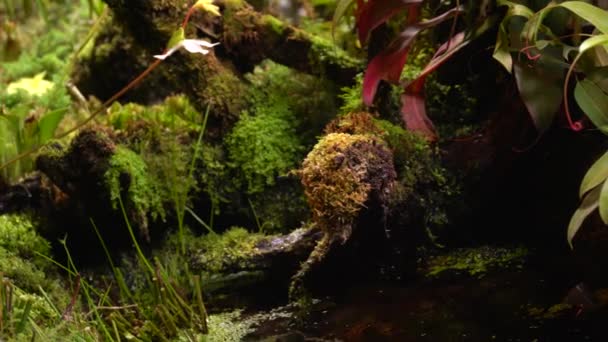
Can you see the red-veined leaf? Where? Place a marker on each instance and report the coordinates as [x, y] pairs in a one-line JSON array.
[[375, 12], [388, 64], [588, 205], [597, 173]]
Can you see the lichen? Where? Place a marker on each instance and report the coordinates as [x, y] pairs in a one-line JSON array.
[[127, 178]]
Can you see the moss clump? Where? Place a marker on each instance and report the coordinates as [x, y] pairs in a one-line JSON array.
[[264, 146], [340, 174], [175, 113], [236, 246], [476, 262], [127, 178]]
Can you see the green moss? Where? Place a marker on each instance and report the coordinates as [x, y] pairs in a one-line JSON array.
[[352, 101], [128, 176], [24, 269], [18, 236], [264, 146], [176, 113], [476, 261], [236, 246], [277, 25], [324, 49]]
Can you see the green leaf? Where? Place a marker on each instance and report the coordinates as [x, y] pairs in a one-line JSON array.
[[178, 36], [603, 203], [597, 173], [594, 15], [599, 40], [540, 88], [599, 76], [501, 50], [48, 125], [594, 102], [588, 205], [341, 8]]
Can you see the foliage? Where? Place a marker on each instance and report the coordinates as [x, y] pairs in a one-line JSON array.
[[544, 86], [388, 65], [35, 99]]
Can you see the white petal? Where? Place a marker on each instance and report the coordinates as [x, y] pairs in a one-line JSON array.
[[195, 49], [200, 42], [168, 53]]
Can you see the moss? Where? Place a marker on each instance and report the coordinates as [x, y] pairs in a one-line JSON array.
[[175, 113], [18, 235], [236, 246], [277, 25], [264, 146], [352, 101], [127, 176], [228, 327], [339, 174], [325, 50], [23, 267], [476, 261]]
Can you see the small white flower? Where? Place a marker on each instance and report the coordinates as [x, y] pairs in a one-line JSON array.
[[191, 45]]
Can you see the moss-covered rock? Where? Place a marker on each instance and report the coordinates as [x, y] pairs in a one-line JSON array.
[[343, 174]]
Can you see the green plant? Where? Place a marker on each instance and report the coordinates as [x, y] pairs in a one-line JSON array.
[[546, 84]]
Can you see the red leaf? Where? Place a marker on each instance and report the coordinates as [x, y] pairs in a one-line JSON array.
[[375, 12], [414, 115], [413, 109], [388, 64]]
